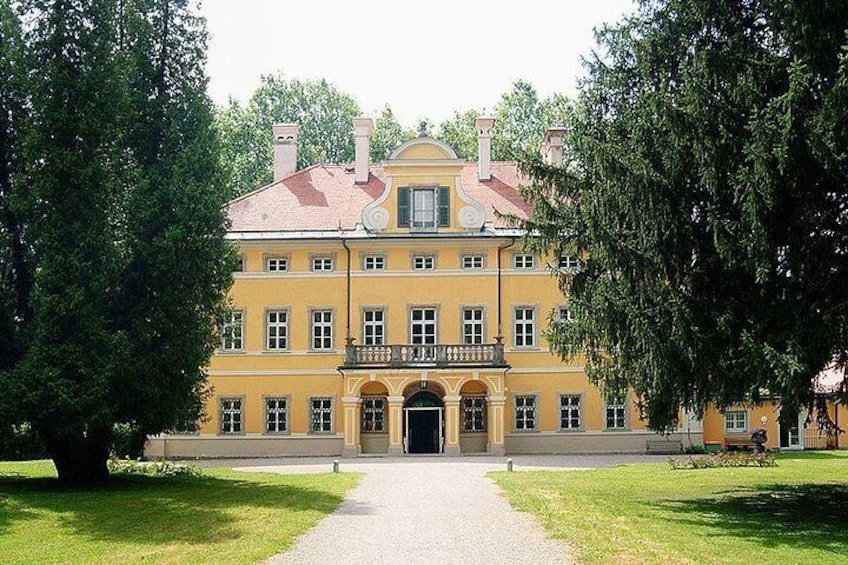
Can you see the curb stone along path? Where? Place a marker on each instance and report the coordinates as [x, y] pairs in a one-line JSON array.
[[426, 511]]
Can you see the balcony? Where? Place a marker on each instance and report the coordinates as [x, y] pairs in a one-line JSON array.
[[443, 355]]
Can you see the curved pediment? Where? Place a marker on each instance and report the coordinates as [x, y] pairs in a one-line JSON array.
[[423, 148]]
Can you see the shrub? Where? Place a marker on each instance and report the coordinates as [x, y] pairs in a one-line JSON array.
[[127, 442], [695, 449], [160, 468], [723, 459], [19, 443]]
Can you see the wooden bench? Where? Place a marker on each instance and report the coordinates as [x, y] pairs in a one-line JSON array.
[[738, 442], [663, 446]]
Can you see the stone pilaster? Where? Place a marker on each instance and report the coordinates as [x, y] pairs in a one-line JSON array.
[[395, 423], [351, 407], [452, 425], [496, 407]]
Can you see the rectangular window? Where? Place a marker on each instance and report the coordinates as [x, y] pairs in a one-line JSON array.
[[474, 413], [525, 327], [472, 326], [565, 314], [569, 412], [276, 415], [374, 263], [569, 263], [472, 261], [276, 264], [239, 266], [277, 330], [423, 262], [232, 332], [373, 415], [424, 208], [616, 413], [322, 330], [231, 415], [736, 421], [423, 333], [525, 412], [373, 327], [523, 261], [322, 264], [321, 410]]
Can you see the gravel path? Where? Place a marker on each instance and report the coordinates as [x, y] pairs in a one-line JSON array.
[[424, 511]]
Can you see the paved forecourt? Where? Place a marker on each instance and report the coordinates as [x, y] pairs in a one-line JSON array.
[[428, 510]]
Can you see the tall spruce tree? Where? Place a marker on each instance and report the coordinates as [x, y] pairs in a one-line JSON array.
[[705, 185], [120, 208]]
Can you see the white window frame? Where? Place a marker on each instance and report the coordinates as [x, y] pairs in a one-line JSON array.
[[565, 315], [231, 415], [524, 261], [280, 329], [731, 421], [415, 210], [324, 411], [277, 411], [474, 405], [373, 262], [370, 408], [232, 332], [570, 407], [476, 326], [524, 334], [521, 408], [322, 263], [473, 261], [277, 264], [423, 262], [615, 411], [569, 263], [424, 341], [324, 339], [370, 326]]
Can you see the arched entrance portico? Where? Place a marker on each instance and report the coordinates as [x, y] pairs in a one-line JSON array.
[[424, 421]]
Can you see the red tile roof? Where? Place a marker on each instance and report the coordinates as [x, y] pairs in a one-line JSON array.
[[325, 197]]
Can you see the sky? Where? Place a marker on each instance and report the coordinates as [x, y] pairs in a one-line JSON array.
[[425, 59]]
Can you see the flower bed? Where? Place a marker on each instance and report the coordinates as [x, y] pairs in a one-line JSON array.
[[723, 459]]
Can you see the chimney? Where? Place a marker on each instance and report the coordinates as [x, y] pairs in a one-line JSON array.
[[552, 146], [484, 147], [285, 150], [362, 129]]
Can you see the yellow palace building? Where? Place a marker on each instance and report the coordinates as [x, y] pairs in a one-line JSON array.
[[388, 309]]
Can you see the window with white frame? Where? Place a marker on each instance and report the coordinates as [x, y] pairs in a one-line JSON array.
[[373, 326], [276, 415], [321, 411], [474, 413], [565, 315], [230, 415], [277, 264], [373, 414], [322, 264], [616, 412], [569, 263], [472, 261], [374, 263], [422, 332], [523, 261], [232, 332], [525, 413], [569, 412], [472, 326], [736, 421], [423, 262], [322, 329], [424, 208], [525, 327], [277, 330]]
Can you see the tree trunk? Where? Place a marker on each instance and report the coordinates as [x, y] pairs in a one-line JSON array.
[[80, 459]]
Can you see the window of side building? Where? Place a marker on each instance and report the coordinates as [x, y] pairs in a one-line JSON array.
[[277, 264], [373, 414], [523, 261], [277, 330], [423, 208], [474, 413], [570, 408], [736, 421], [524, 326], [616, 412], [321, 415], [322, 263], [373, 326], [231, 415], [569, 263], [473, 262], [374, 263], [232, 332], [525, 413], [423, 327], [322, 330], [277, 415], [472, 326], [423, 262]]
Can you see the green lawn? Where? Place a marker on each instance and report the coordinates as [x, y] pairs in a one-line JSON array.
[[794, 513], [221, 516]]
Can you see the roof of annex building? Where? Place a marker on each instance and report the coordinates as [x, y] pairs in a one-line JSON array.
[[325, 199]]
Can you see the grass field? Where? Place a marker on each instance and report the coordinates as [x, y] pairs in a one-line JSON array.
[[220, 516], [794, 513]]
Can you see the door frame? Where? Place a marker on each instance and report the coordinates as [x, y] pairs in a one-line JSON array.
[[440, 448]]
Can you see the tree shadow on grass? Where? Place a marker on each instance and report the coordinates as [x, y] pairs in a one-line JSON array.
[[813, 516], [155, 510]]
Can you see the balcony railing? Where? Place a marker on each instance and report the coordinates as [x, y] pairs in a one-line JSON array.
[[442, 355]]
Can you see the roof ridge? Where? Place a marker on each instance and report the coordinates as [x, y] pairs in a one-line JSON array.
[[272, 183]]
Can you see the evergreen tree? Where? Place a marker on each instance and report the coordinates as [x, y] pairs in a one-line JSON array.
[[705, 187], [388, 135]]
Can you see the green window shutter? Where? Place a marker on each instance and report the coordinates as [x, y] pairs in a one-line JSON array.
[[444, 207], [403, 207]]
